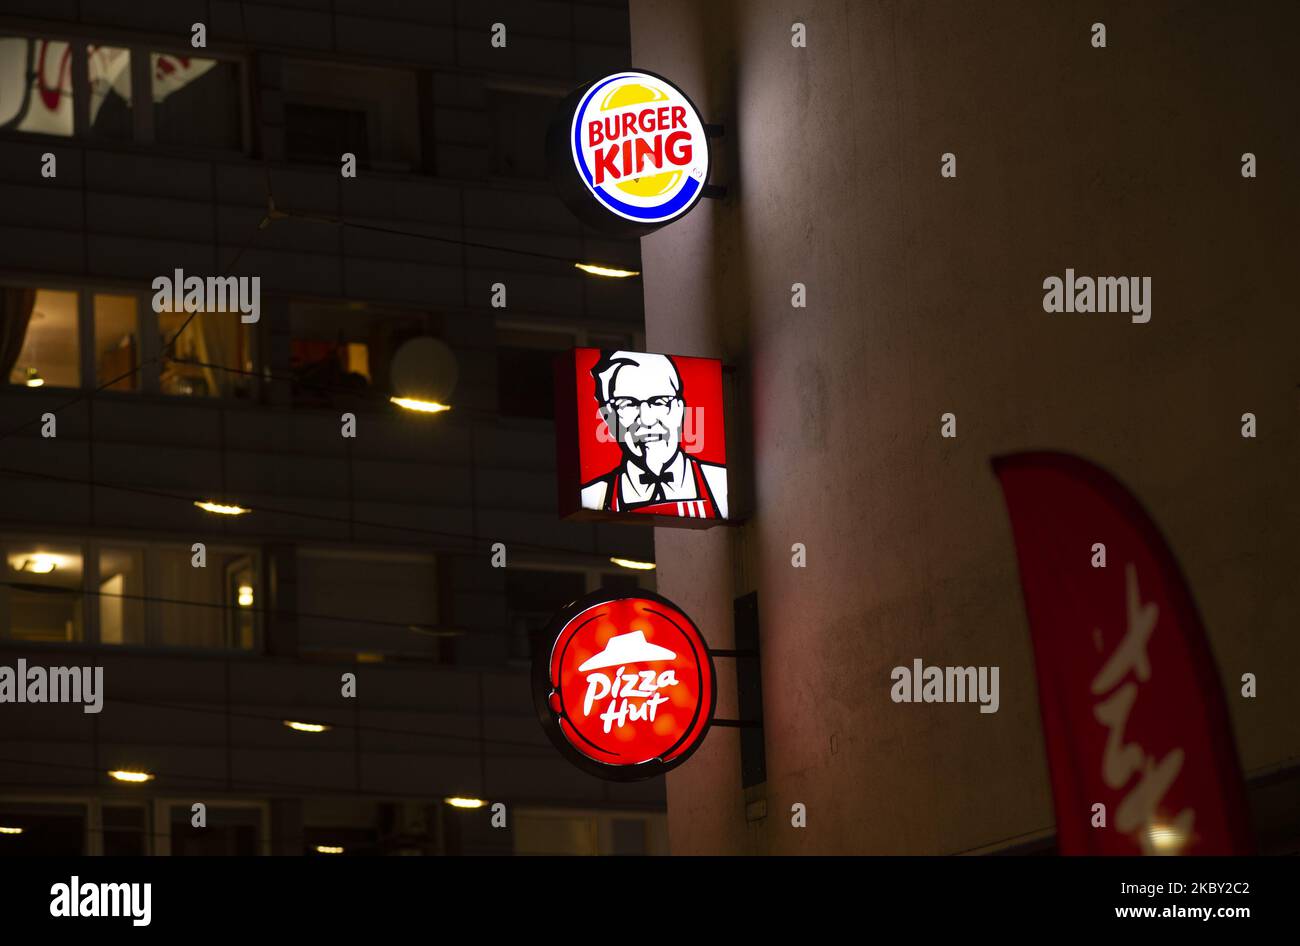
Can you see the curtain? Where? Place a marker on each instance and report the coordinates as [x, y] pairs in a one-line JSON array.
[[16, 304]]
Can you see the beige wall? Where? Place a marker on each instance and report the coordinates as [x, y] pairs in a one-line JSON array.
[[924, 296]]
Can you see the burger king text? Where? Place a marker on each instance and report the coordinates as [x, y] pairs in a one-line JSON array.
[[643, 686], [634, 135]]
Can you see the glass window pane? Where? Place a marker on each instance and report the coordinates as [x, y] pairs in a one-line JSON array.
[[109, 68], [117, 349], [213, 341], [195, 101], [203, 605], [44, 585], [36, 85], [38, 337], [121, 588]]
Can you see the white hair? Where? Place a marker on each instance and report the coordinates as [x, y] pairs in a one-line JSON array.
[[607, 368]]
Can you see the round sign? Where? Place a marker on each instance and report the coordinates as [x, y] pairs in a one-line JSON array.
[[624, 685], [628, 152]]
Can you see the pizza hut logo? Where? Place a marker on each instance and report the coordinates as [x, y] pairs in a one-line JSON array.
[[635, 149], [624, 685]]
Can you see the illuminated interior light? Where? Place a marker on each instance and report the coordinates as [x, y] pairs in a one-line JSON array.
[[7, 830], [245, 598], [607, 271], [424, 407], [34, 379], [307, 727], [633, 564], [221, 509], [126, 775], [465, 802], [38, 563], [329, 849]]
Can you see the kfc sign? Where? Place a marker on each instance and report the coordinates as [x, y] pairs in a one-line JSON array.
[[628, 152], [624, 685], [640, 437]]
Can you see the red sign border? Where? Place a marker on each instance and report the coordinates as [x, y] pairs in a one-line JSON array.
[[544, 647]]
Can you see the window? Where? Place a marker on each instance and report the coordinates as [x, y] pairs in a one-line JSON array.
[[36, 85], [534, 593], [42, 829], [117, 351], [230, 832], [43, 588], [212, 358], [195, 101], [190, 101], [109, 69], [38, 337], [129, 593], [330, 109]]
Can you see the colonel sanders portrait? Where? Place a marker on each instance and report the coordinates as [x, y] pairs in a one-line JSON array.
[[643, 406]]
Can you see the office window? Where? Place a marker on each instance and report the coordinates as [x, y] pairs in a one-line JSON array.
[[109, 72], [195, 101], [212, 358], [42, 829], [230, 832], [330, 109], [38, 337], [36, 85], [117, 350], [124, 830], [189, 101], [211, 607], [44, 592], [121, 594]]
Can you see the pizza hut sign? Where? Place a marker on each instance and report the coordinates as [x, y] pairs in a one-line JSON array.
[[624, 685]]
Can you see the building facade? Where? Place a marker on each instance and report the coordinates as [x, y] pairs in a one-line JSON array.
[[923, 296], [128, 153]]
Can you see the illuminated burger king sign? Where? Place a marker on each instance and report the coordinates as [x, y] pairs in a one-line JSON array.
[[628, 152], [624, 685]]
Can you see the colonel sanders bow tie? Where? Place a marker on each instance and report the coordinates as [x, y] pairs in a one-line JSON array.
[[657, 480]]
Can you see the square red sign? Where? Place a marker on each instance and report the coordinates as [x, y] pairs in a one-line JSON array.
[[640, 437]]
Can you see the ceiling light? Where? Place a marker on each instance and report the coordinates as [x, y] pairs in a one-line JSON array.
[[6, 830], [306, 727], [221, 509], [245, 598], [424, 407], [126, 775], [633, 564], [607, 271], [40, 563], [329, 849], [465, 802]]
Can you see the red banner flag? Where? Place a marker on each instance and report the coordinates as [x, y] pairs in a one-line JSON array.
[[1133, 712]]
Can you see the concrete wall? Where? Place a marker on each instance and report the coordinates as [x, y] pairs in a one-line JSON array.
[[924, 296]]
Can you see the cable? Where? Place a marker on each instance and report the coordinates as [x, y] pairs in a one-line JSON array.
[[321, 517], [419, 627]]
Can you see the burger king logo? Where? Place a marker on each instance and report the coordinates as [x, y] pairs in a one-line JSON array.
[[625, 688], [635, 155]]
